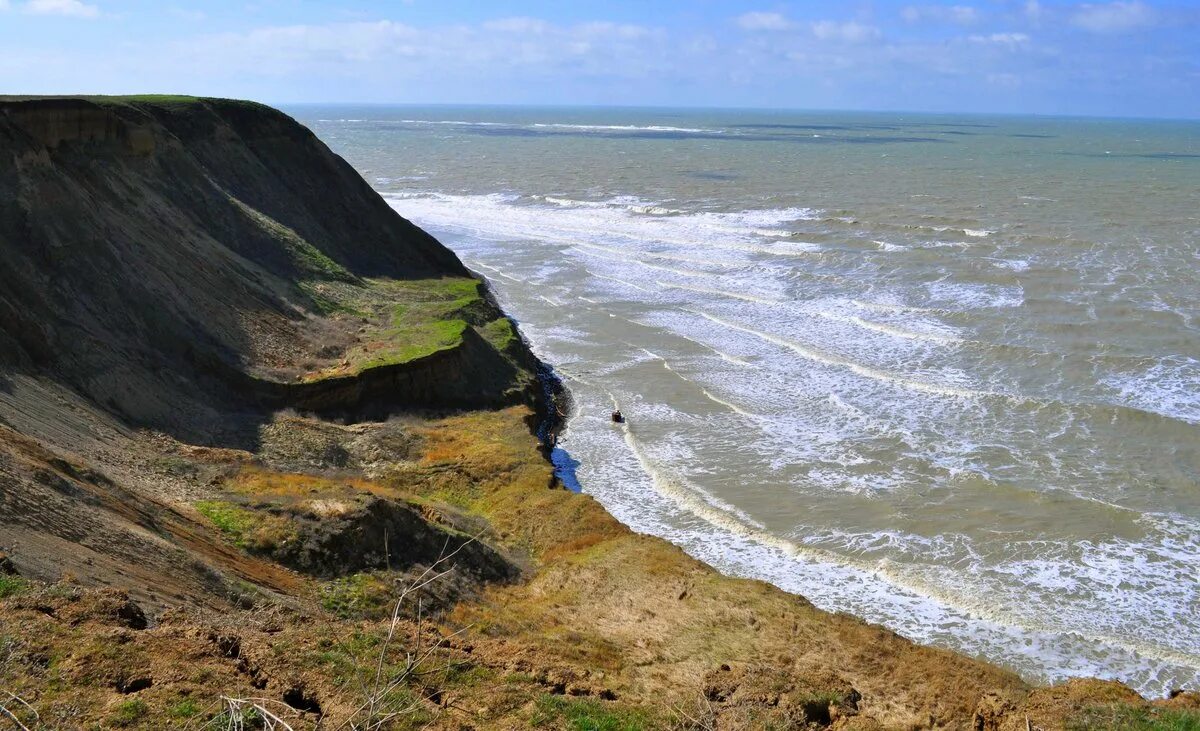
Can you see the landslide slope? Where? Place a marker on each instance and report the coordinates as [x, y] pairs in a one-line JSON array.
[[177, 271]]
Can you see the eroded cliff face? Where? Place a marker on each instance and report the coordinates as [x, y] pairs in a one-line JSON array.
[[182, 271], [155, 250]]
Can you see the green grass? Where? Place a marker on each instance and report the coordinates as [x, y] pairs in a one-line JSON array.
[[358, 596], [1124, 718], [407, 319], [586, 715], [12, 585], [185, 708], [256, 532], [229, 518], [500, 333], [129, 712], [407, 343]]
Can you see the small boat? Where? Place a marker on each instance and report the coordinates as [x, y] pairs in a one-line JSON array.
[[618, 417]]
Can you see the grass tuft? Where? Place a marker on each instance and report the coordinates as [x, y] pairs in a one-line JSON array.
[[586, 715], [1127, 718], [12, 586], [247, 529], [129, 712]]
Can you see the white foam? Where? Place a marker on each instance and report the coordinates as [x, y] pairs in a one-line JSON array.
[[1170, 387], [731, 406], [862, 370], [962, 295], [496, 270], [719, 293], [625, 128], [618, 280], [905, 333], [611, 223]]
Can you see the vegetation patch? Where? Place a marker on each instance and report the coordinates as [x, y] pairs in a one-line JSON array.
[[586, 715], [259, 482], [12, 586], [305, 257], [1128, 718], [184, 709], [250, 530], [366, 595], [407, 320], [500, 333], [129, 712]]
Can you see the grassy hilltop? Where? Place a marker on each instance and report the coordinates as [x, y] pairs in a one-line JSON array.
[[268, 456]]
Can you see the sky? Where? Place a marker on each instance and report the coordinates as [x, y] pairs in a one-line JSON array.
[[1131, 58]]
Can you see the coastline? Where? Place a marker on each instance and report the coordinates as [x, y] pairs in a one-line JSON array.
[[171, 547], [915, 605]]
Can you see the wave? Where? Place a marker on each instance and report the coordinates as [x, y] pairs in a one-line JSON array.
[[903, 332], [869, 372], [719, 292], [928, 600], [626, 128], [495, 270], [618, 280], [615, 222]]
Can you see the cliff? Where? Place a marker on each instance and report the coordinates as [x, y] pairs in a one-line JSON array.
[[267, 449]]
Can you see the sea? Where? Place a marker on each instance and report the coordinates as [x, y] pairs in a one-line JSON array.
[[941, 372]]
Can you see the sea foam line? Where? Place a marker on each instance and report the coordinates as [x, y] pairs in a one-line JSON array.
[[862, 370], [718, 515], [720, 402], [719, 292]]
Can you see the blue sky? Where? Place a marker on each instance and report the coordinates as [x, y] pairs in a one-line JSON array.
[[1120, 58]]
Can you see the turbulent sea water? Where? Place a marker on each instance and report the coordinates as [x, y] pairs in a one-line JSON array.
[[939, 372]]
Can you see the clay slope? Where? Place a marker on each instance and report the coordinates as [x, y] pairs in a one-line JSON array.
[[178, 271], [152, 249]]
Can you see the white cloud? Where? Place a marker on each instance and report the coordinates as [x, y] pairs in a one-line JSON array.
[[1033, 10], [399, 51], [517, 25], [764, 21], [1008, 81], [72, 8], [1115, 17], [1009, 40], [957, 14], [190, 16], [848, 32]]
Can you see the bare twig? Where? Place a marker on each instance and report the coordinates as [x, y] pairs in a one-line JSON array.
[[6, 713], [378, 709], [705, 718], [237, 708]]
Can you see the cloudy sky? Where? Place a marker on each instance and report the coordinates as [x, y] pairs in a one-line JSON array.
[[1123, 58]]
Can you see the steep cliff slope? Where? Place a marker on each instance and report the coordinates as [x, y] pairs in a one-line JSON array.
[[183, 269]]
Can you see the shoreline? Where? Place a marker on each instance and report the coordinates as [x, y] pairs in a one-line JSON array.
[[1042, 675], [171, 548]]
